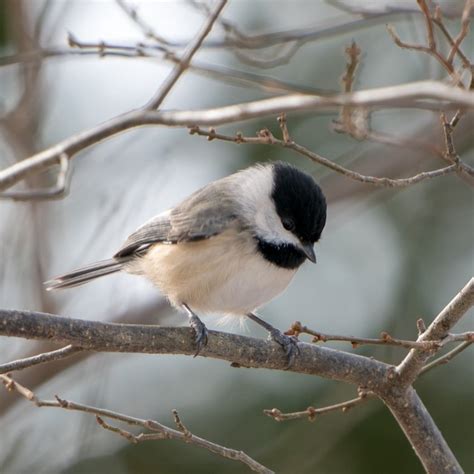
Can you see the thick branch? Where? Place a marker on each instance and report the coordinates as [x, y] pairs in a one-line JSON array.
[[426, 94], [241, 350], [423, 434], [373, 375]]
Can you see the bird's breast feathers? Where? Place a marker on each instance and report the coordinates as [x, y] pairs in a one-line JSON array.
[[223, 274]]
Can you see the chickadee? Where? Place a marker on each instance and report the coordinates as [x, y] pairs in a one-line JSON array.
[[228, 248]]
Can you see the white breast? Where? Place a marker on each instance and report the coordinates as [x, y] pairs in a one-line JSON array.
[[223, 274]]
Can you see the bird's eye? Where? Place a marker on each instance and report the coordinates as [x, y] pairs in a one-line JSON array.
[[288, 224]]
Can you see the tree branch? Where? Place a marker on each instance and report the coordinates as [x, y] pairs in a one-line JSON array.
[[241, 350], [159, 431], [374, 376], [312, 413], [385, 339], [411, 366], [146, 29], [57, 354], [423, 434], [446, 357], [183, 63], [265, 137], [417, 94]]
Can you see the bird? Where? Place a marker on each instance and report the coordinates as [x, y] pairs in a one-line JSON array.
[[228, 248]]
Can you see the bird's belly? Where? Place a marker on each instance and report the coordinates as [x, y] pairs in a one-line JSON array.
[[219, 275], [254, 284]]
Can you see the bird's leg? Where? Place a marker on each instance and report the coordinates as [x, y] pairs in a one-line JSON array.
[[199, 328], [288, 343]]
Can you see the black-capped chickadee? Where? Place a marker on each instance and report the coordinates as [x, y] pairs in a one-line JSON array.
[[229, 248]]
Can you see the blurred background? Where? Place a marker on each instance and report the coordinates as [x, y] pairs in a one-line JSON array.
[[387, 257]]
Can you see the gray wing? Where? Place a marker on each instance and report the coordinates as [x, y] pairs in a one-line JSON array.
[[205, 213]]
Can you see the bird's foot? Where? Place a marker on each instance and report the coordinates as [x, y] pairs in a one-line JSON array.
[[200, 330], [288, 343]]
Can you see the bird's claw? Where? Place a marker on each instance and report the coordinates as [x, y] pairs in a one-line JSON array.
[[200, 331], [288, 343]]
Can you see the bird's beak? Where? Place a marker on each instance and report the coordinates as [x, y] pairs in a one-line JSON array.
[[309, 251]]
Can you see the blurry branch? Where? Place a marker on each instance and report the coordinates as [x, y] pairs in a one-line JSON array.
[[353, 121], [236, 39], [392, 385], [265, 137], [409, 369], [447, 62], [21, 364], [157, 431], [184, 61], [146, 29], [451, 154], [425, 94], [432, 51], [58, 191], [465, 20], [146, 51], [312, 413], [385, 339], [280, 53]]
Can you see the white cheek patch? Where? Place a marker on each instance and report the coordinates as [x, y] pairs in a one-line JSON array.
[[256, 190], [270, 226]]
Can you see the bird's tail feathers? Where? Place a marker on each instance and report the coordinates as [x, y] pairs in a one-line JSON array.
[[86, 274]]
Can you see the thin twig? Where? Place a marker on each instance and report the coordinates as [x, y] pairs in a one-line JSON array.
[[465, 20], [385, 339], [423, 49], [165, 432], [311, 413], [446, 357], [146, 29], [240, 40], [354, 121], [143, 50], [464, 336], [57, 354], [274, 60], [429, 25], [439, 23], [134, 439], [264, 137], [183, 64], [187, 434], [353, 53]]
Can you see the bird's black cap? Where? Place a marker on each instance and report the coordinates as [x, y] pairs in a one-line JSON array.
[[301, 206], [299, 202]]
